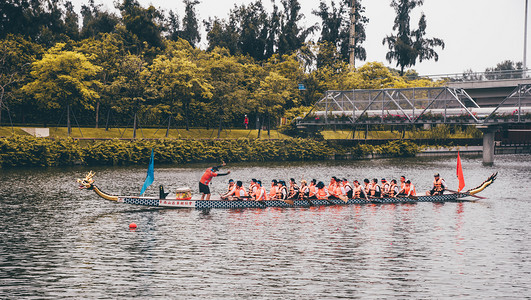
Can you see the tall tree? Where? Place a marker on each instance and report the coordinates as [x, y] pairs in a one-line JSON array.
[[409, 45], [190, 31], [292, 35], [335, 27], [142, 22], [62, 79], [96, 21]]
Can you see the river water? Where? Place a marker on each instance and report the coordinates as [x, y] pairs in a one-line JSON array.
[[59, 242]]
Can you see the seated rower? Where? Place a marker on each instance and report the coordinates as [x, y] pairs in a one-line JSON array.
[[273, 192], [409, 189], [312, 189], [358, 191], [386, 188], [338, 192], [348, 188], [282, 192], [332, 185], [402, 182], [322, 193], [240, 193], [304, 191], [231, 190], [375, 191], [393, 189], [367, 186], [252, 187], [438, 186], [260, 194], [293, 189]]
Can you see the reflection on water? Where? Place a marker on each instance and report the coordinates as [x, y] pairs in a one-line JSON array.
[[58, 242]]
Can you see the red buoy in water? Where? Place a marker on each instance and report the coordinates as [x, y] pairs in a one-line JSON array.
[[132, 226]]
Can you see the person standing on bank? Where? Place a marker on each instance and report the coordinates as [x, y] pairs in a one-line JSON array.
[[207, 177], [246, 122]]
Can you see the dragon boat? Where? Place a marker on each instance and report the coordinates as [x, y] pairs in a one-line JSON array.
[[183, 198]]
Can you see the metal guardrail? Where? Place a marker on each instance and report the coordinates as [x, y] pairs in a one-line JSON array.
[[479, 76]]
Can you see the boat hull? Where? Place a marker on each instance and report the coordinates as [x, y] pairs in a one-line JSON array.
[[224, 204]]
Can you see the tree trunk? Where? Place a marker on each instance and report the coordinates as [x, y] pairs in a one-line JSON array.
[[69, 128], [107, 123], [97, 112], [168, 130], [186, 107], [259, 126], [269, 125], [134, 126], [219, 129]]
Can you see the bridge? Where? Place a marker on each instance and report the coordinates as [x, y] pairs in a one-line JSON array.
[[421, 106]]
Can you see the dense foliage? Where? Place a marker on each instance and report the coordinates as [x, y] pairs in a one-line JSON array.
[[143, 68], [18, 151]]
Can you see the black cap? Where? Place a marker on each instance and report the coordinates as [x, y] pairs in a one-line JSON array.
[[215, 169]]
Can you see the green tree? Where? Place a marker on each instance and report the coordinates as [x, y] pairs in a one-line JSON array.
[[63, 79], [96, 21], [506, 69], [409, 45], [190, 31], [144, 23], [292, 35], [179, 80], [107, 51], [16, 55], [271, 97]]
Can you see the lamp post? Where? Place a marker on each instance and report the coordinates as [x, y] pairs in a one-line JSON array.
[[525, 38]]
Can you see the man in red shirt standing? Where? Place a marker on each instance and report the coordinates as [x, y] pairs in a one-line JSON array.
[[206, 178], [246, 122]]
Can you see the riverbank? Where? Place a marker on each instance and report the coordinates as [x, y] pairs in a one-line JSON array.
[[28, 151]]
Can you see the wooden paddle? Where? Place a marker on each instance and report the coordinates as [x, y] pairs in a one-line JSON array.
[[455, 192]]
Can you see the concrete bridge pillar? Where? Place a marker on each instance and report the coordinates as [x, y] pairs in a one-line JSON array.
[[488, 143]]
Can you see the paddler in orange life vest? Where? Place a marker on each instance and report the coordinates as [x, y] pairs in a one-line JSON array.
[[252, 187], [408, 190], [393, 189], [240, 191], [304, 191], [322, 193], [402, 182], [207, 177], [347, 187], [231, 190], [386, 187], [374, 190], [358, 191], [293, 189], [438, 186], [273, 191], [260, 193], [367, 186], [332, 185], [312, 189]]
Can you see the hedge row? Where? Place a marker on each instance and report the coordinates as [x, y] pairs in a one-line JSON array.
[[19, 151]]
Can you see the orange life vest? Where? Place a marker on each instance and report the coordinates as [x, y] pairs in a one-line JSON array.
[[357, 192], [331, 188], [437, 185], [239, 191], [273, 192], [313, 190], [410, 190], [260, 193], [392, 190], [321, 194], [372, 189]]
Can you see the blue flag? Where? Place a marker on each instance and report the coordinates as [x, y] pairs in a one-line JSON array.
[[150, 175]]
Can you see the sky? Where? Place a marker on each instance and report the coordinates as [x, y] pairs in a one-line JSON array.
[[478, 33]]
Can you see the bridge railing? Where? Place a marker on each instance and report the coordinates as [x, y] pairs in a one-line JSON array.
[[479, 76], [416, 106]]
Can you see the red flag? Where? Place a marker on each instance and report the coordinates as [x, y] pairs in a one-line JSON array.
[[460, 176]]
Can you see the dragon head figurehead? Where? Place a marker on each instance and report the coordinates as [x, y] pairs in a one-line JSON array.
[[87, 182]]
